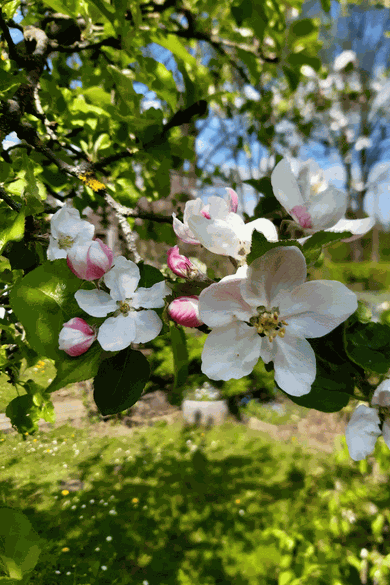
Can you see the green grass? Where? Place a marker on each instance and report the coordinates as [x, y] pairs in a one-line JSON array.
[[292, 412], [172, 506]]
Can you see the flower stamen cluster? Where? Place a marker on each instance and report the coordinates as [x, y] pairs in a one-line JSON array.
[[267, 323], [66, 242]]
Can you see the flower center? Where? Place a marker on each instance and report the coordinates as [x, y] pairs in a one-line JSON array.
[[65, 243], [267, 323], [124, 307]]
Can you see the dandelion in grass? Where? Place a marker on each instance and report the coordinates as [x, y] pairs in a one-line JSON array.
[[238, 501], [65, 492], [135, 500], [65, 549]]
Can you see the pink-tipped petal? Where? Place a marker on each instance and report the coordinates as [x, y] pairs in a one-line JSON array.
[[233, 200], [180, 265], [76, 337], [302, 216]]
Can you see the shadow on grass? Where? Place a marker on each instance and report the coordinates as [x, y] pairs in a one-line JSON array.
[[173, 517]]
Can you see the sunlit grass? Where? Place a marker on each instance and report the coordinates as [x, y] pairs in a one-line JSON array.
[[173, 506]]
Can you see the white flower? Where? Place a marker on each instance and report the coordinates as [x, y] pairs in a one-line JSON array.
[[218, 227], [269, 314], [313, 203], [363, 428], [129, 323], [68, 230], [344, 59]]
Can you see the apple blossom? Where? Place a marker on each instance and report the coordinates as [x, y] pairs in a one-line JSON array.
[[268, 314], [363, 428], [185, 311], [218, 228], [76, 337], [180, 265], [91, 260], [68, 230], [313, 203], [129, 322]]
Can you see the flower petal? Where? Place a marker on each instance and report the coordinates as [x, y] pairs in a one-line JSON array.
[[147, 326], [381, 396], [230, 352], [262, 225], [315, 308], [116, 333], [362, 432], [95, 302], [54, 252], [295, 364], [285, 186], [183, 231], [151, 298], [277, 271], [122, 278], [191, 208], [218, 207], [215, 235], [386, 432], [326, 207], [222, 303], [358, 227]]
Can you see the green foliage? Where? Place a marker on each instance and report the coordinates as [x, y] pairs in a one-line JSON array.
[[368, 345], [180, 355], [368, 275], [120, 381], [20, 545]]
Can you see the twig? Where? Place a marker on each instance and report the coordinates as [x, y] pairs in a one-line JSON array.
[[11, 46], [121, 212], [9, 201]]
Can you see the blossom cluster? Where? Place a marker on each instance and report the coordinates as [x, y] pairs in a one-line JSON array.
[[266, 310]]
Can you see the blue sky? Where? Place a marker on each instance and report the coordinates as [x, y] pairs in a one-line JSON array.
[[208, 137]]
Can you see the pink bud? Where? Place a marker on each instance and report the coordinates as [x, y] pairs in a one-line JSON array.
[[185, 311], [91, 260], [180, 265], [76, 337], [300, 213], [233, 198]]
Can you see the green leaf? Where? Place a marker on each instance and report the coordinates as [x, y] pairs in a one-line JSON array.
[[292, 77], [368, 345], [299, 59], [20, 545], [260, 245], [76, 369], [325, 5], [9, 8], [43, 300], [106, 9], [303, 27], [180, 355], [11, 226], [149, 275], [24, 414], [120, 381], [124, 87], [34, 204], [69, 8], [312, 248]]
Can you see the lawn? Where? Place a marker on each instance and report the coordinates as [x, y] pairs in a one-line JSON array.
[[167, 505]]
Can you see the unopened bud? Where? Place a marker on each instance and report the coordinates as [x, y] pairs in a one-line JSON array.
[[90, 261], [185, 311], [233, 200], [180, 265], [76, 337]]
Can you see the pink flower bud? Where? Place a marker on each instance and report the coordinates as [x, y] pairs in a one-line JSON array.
[[185, 311], [76, 337], [233, 198], [90, 261], [180, 265]]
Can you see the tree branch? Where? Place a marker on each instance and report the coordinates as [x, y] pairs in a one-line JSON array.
[[181, 117], [11, 46], [121, 212], [9, 201]]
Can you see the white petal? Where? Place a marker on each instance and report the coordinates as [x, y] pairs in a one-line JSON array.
[[295, 364], [151, 298], [230, 352], [362, 432], [85, 232], [65, 218], [264, 226], [315, 308], [116, 333], [191, 208], [221, 303], [122, 278], [268, 350], [386, 432], [268, 277], [215, 235], [358, 227], [285, 186], [147, 326], [183, 231], [381, 396], [54, 252], [95, 302], [326, 207], [218, 207], [241, 272]]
